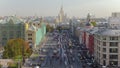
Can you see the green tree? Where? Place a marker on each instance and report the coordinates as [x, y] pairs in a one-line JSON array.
[[12, 65], [94, 23], [49, 28], [16, 48]]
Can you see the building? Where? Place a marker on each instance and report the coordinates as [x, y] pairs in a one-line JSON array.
[[62, 17], [32, 31], [114, 20], [35, 32], [10, 28], [116, 14], [90, 39], [107, 47]]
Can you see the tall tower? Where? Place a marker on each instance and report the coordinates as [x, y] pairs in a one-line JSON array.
[[61, 15], [88, 18]]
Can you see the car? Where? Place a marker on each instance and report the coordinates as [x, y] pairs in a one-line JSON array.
[[36, 67], [42, 58], [89, 62], [79, 55], [103, 66], [44, 50], [73, 59]]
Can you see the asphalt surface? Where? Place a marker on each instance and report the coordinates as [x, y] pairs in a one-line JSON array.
[[61, 50]]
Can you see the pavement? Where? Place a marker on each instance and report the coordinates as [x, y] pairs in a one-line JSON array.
[[57, 52]]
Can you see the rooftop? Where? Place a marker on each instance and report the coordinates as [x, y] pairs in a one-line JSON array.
[[11, 19], [108, 32]]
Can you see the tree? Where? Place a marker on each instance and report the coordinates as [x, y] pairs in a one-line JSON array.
[[49, 28], [94, 23], [59, 28], [16, 48]]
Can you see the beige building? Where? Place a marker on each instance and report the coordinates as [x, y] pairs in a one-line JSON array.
[[107, 47], [35, 31], [30, 35]]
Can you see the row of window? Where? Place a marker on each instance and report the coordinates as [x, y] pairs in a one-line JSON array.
[[110, 56], [111, 38], [29, 34], [29, 38], [111, 50], [112, 44], [111, 63]]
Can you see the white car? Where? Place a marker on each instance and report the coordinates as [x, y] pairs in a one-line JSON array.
[[103, 66], [36, 67]]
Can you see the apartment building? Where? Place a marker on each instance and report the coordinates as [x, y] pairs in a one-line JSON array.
[[107, 47]]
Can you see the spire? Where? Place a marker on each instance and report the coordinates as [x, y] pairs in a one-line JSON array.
[[61, 10], [88, 17]]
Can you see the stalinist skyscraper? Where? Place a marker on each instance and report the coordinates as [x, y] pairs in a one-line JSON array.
[[61, 16]]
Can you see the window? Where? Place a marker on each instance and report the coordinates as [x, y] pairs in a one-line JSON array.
[[29, 38], [113, 50], [99, 48], [30, 42], [113, 62], [113, 38], [3, 43], [4, 38], [113, 57], [113, 44], [4, 32], [104, 49], [104, 38], [18, 32], [104, 43], [104, 56], [29, 34], [4, 35], [104, 62]]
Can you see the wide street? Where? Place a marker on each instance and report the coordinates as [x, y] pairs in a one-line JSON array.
[[61, 50]]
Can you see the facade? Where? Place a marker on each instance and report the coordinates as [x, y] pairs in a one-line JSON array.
[[90, 39], [107, 47], [114, 20], [102, 42], [62, 17], [35, 33], [10, 28]]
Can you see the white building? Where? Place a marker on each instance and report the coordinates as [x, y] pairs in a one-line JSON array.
[[114, 20], [107, 47]]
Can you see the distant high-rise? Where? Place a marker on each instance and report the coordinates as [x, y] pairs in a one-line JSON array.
[[61, 16]]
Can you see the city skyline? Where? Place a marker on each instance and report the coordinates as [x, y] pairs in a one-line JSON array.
[[78, 8]]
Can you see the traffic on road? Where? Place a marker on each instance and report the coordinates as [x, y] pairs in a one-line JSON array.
[[62, 50]]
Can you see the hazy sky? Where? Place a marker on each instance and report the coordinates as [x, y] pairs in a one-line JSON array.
[[79, 8]]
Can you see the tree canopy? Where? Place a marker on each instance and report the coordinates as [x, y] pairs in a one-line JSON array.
[[49, 28], [15, 48], [94, 23]]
